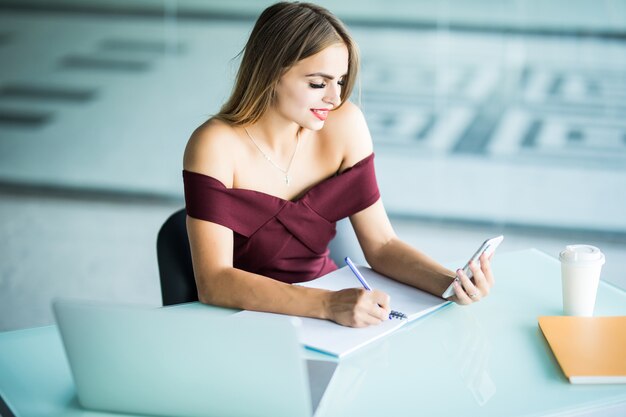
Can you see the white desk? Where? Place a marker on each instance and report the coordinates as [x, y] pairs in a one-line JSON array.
[[488, 359]]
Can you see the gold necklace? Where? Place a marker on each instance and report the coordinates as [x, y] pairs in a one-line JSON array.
[[284, 171]]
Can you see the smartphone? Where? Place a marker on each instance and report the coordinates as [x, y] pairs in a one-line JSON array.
[[489, 246]]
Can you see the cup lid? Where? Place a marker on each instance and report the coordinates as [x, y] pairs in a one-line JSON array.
[[582, 255]]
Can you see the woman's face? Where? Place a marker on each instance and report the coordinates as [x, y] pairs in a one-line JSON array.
[[311, 88]]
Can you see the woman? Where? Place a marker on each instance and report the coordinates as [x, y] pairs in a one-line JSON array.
[[285, 158]]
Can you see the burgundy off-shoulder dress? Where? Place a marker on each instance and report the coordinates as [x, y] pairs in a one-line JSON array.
[[281, 239]]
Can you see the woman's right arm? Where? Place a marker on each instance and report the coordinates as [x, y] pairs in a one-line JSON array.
[[211, 151]]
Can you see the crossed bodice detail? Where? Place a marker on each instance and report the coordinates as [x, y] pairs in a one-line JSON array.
[[282, 239]]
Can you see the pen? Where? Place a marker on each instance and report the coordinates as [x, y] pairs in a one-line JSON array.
[[394, 314]]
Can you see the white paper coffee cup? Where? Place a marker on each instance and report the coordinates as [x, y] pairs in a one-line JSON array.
[[580, 274]]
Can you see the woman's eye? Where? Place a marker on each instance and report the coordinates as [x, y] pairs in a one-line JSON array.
[[313, 85], [341, 83]]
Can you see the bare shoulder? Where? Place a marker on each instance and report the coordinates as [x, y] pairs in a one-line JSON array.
[[210, 151], [347, 127]]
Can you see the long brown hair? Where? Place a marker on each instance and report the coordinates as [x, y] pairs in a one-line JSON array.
[[284, 34]]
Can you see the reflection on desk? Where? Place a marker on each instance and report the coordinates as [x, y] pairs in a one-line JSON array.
[[469, 351]]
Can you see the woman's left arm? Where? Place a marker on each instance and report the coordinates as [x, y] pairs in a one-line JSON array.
[[383, 250], [392, 257]]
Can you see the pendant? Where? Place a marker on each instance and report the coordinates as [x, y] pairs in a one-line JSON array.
[[287, 179]]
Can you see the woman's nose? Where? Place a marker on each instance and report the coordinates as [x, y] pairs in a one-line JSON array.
[[333, 95]]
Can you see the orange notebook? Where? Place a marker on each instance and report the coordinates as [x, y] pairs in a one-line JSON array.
[[590, 350]]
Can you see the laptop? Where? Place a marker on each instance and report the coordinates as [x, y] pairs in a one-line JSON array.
[[186, 363]]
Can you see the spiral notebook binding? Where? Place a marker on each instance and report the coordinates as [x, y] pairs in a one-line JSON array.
[[397, 315]]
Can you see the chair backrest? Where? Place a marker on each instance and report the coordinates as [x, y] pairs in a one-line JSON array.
[[178, 284]]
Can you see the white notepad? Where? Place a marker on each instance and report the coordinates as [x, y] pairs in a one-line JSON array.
[[331, 338]]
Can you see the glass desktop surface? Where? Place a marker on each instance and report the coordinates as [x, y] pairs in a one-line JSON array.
[[487, 359]]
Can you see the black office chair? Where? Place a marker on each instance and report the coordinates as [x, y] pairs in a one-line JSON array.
[[178, 284]]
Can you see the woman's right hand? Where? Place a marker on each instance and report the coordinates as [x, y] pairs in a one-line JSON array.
[[357, 307]]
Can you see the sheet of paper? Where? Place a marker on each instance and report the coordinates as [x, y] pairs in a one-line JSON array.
[[404, 298], [332, 338]]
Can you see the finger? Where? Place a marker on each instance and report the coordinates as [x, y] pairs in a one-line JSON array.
[[480, 282], [381, 305], [370, 315], [381, 298], [460, 296], [485, 265], [362, 315], [378, 315], [367, 310], [470, 289]]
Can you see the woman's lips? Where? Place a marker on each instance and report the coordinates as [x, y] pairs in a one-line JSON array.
[[321, 114]]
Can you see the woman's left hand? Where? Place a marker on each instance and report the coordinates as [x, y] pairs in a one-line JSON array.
[[468, 292]]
